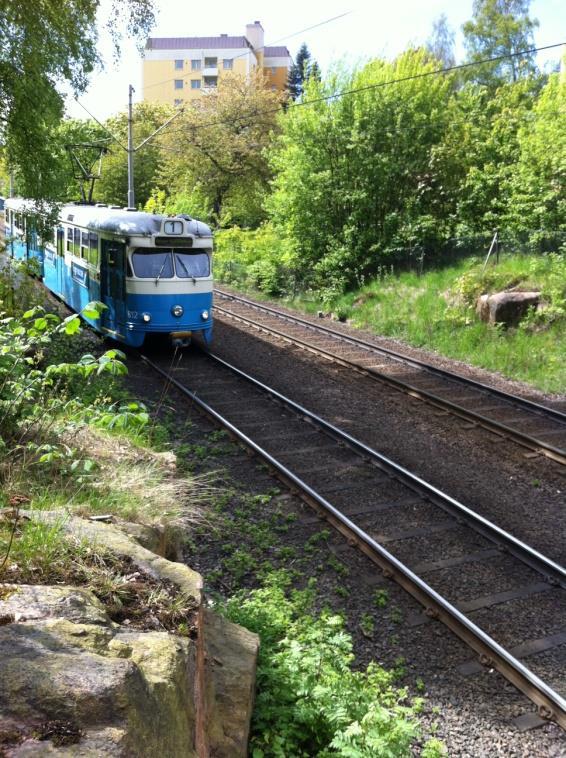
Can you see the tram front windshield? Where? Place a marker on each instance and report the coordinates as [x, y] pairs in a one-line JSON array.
[[154, 264]]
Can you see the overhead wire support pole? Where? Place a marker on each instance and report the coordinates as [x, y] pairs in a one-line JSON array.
[[131, 150]]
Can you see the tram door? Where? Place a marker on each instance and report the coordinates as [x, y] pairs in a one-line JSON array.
[[112, 284]]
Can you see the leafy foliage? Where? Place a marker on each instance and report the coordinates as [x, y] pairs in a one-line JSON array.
[[31, 388], [309, 700], [360, 176], [215, 151], [40, 46], [500, 27], [113, 185]]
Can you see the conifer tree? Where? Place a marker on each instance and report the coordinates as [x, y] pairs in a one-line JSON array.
[[301, 70]]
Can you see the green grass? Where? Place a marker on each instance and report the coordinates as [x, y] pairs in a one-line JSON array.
[[436, 311]]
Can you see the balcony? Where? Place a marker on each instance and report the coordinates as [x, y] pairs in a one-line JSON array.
[[210, 71]]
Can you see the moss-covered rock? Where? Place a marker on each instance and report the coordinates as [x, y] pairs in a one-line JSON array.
[[129, 693]]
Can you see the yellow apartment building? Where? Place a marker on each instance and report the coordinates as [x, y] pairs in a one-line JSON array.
[[178, 70]]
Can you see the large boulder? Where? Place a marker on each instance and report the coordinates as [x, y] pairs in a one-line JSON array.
[[506, 308], [230, 661], [72, 682], [122, 693]]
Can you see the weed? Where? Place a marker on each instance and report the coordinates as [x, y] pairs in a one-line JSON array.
[[380, 598], [309, 700], [338, 566], [434, 748], [395, 615], [367, 625]]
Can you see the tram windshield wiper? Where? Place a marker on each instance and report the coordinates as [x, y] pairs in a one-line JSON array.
[[161, 270], [178, 259]]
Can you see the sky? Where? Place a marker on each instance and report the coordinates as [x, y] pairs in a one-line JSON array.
[[370, 28]]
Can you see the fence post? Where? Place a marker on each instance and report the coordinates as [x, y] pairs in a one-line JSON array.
[[493, 243]]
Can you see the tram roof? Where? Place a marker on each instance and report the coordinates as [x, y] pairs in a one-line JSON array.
[[105, 218]]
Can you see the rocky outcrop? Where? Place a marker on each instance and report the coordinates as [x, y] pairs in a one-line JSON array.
[[230, 656], [506, 308], [73, 682], [64, 661]]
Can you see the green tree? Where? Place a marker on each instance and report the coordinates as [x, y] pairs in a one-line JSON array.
[[481, 148], [113, 185], [538, 201], [44, 46], [65, 185], [357, 177], [215, 152], [440, 44], [302, 69], [500, 27]]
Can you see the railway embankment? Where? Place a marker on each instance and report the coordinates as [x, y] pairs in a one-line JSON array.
[[107, 646], [440, 310]]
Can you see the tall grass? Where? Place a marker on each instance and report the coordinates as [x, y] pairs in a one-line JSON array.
[[436, 311]]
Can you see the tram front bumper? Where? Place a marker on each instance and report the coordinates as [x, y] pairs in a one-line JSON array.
[[180, 339]]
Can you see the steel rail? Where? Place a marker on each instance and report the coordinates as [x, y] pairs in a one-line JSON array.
[[528, 441], [401, 358], [551, 705], [552, 572]]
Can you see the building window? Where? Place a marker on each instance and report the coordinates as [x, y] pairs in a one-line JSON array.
[[195, 83], [210, 81], [210, 62], [178, 101], [195, 65], [179, 65], [274, 69], [227, 63], [273, 88], [178, 84]]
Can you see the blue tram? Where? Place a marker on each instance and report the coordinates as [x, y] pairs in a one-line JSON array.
[[153, 273]]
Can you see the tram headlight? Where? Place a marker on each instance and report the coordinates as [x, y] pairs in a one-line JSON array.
[[177, 310], [204, 315], [146, 317]]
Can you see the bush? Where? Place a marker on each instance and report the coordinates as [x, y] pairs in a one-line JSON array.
[[263, 259], [309, 700]]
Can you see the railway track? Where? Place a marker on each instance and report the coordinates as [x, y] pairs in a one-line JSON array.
[[452, 560], [538, 428]]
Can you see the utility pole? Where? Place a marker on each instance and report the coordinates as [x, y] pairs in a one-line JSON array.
[[131, 150], [131, 196]]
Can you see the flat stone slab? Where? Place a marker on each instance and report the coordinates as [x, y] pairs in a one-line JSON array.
[[188, 582]]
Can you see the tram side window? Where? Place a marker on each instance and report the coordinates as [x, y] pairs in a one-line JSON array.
[[69, 239], [77, 240], [93, 248], [84, 245], [60, 240]]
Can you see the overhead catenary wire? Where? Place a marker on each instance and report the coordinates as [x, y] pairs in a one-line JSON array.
[[530, 116], [379, 85]]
